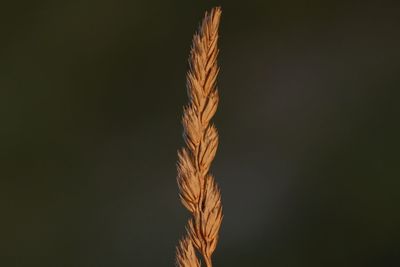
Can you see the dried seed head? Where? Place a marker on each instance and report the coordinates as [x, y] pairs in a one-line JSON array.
[[197, 188]]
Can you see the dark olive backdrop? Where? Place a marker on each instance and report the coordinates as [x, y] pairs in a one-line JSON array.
[[91, 99]]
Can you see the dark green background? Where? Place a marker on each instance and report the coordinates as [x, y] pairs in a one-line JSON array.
[[91, 99]]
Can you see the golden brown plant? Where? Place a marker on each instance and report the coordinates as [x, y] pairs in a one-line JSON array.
[[198, 190]]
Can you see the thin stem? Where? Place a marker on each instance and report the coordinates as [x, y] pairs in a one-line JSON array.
[[208, 261]]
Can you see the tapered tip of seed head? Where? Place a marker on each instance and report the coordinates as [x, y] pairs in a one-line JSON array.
[[217, 9], [215, 14]]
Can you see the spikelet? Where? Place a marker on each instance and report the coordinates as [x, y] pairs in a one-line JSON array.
[[197, 188], [186, 255]]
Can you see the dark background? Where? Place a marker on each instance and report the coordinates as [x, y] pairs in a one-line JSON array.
[[91, 99]]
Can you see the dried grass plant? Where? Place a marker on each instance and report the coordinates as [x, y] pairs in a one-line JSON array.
[[198, 190]]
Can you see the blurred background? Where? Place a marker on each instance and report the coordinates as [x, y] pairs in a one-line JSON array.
[[308, 163]]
